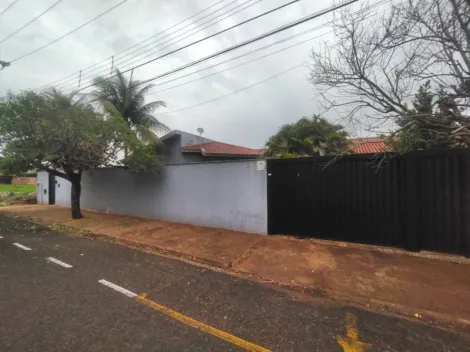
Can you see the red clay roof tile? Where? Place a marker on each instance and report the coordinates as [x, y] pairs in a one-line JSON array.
[[368, 145], [219, 148]]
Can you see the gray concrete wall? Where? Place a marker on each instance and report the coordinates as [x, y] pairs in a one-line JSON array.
[[228, 195]]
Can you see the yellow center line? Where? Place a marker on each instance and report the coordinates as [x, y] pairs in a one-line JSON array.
[[351, 342], [201, 326]]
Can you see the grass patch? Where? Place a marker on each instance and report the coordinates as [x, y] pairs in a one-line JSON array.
[[25, 189]]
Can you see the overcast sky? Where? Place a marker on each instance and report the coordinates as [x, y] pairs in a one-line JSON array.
[[247, 118]]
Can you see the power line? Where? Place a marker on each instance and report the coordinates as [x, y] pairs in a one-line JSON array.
[[8, 7], [250, 41], [90, 74], [265, 35], [201, 29], [230, 68], [73, 81], [135, 45], [27, 24], [237, 91], [169, 34], [266, 79], [69, 33], [381, 2]]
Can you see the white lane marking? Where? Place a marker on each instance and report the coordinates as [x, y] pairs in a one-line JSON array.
[[65, 265], [1, 237], [21, 246], [118, 288]]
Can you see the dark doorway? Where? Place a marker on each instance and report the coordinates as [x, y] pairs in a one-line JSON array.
[[51, 189]]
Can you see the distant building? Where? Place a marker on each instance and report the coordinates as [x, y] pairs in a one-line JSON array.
[[183, 147], [371, 145]]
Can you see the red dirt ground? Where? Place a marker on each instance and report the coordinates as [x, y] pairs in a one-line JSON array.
[[357, 273]]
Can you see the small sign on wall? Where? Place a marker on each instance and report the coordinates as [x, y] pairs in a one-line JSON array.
[[261, 165]]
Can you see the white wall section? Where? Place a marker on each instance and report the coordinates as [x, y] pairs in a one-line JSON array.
[[42, 187]]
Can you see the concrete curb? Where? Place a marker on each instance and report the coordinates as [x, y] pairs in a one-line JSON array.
[[137, 244]]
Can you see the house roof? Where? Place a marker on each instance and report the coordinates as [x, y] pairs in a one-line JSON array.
[[368, 145], [175, 133], [219, 148]]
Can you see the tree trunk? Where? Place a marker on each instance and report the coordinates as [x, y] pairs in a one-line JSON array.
[[75, 197]]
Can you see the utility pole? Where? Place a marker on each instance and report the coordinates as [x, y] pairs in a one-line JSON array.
[[4, 64]]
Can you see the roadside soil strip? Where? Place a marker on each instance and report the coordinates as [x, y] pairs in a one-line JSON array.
[[21, 246], [118, 288], [56, 261]]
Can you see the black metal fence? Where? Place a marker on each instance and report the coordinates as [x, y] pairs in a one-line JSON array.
[[419, 200]]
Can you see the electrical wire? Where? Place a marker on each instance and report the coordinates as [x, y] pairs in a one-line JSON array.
[[27, 24], [264, 80], [181, 39], [176, 31], [203, 28], [254, 51], [116, 62], [235, 92], [74, 81], [9, 7], [250, 41], [262, 36], [69, 33], [232, 67], [256, 83], [137, 44]]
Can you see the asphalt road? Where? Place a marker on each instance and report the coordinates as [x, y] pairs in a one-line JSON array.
[[47, 307]]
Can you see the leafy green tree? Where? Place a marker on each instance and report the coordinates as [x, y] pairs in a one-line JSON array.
[[50, 132], [128, 97], [307, 137], [427, 125]]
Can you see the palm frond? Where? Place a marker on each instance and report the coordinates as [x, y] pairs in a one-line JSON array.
[[128, 97], [150, 107], [152, 123], [111, 109], [143, 91]]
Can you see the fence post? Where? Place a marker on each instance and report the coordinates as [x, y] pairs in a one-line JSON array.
[[269, 192], [465, 239], [413, 212]]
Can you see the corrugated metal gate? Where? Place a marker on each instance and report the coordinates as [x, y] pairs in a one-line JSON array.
[[420, 200]]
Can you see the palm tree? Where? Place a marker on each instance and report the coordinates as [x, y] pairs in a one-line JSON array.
[[65, 100], [307, 137], [128, 98]]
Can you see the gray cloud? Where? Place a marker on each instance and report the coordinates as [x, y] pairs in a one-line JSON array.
[[247, 118]]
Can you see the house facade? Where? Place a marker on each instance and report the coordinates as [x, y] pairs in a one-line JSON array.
[[182, 147]]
